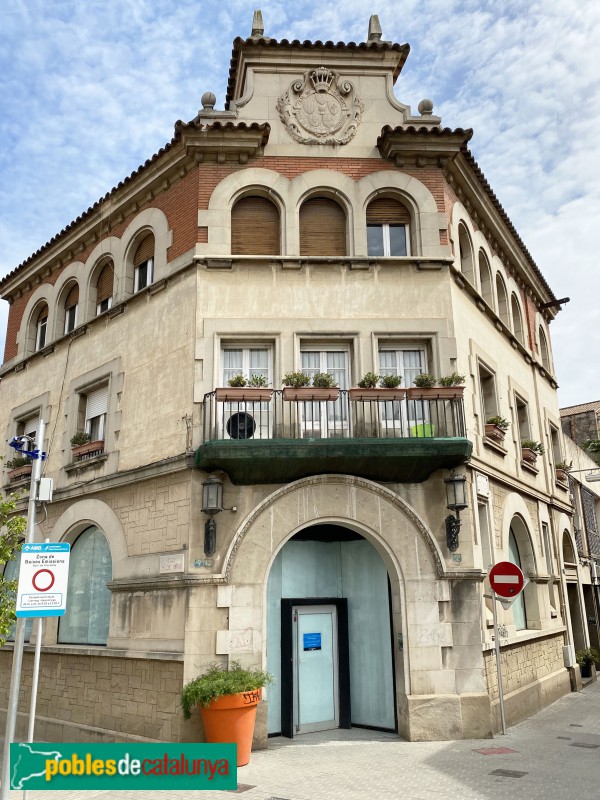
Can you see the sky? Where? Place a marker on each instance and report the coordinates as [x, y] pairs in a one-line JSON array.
[[89, 89]]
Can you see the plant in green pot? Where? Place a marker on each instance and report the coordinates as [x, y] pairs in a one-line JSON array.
[[227, 699]]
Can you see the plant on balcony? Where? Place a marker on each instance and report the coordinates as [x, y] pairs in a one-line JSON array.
[[297, 388], [496, 427], [79, 438], [19, 467], [530, 450], [368, 381], [17, 462], [424, 380], [387, 389], [454, 379], [562, 471], [241, 389]]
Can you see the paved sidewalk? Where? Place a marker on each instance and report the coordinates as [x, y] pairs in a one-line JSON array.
[[554, 755]]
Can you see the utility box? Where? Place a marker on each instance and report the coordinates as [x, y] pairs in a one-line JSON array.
[[45, 489]]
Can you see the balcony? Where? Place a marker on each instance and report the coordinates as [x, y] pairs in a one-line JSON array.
[[274, 439]]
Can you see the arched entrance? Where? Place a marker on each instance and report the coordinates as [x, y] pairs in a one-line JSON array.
[[329, 633]]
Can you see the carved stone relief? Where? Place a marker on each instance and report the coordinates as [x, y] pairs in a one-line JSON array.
[[321, 108]]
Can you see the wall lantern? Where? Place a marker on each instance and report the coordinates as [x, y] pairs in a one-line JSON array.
[[456, 500], [212, 503]]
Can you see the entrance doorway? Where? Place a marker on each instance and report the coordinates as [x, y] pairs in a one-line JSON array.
[[329, 634]]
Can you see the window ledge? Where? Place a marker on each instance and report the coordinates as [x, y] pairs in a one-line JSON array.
[[81, 466], [98, 650], [495, 446], [529, 467], [525, 636]]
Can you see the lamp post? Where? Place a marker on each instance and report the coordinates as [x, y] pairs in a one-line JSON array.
[[212, 504], [456, 500]]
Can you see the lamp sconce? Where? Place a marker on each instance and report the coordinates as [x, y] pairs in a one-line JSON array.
[[212, 504], [456, 500]]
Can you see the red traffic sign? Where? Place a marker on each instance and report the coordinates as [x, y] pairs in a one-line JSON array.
[[506, 579]]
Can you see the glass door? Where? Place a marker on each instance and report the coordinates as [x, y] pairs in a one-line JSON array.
[[326, 419]]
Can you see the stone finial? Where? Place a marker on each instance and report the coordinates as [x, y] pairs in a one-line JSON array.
[[374, 28], [208, 101], [258, 27], [425, 107]]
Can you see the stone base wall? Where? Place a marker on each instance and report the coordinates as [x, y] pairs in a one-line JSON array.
[[100, 698], [533, 676]]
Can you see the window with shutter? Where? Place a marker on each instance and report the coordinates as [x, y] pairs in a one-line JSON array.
[[104, 288], [29, 426], [322, 228], [71, 301], [95, 412], [387, 228], [41, 327], [143, 263], [255, 227]]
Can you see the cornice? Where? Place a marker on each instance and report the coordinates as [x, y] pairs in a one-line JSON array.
[[421, 146]]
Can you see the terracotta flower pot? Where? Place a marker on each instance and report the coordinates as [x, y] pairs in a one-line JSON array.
[[20, 472], [528, 455], [562, 475], [84, 449], [251, 394], [436, 393], [231, 718], [494, 432], [378, 393], [310, 393]]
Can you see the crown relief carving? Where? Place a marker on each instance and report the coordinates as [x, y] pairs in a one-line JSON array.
[[321, 108]]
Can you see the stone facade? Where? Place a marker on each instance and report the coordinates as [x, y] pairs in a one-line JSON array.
[[461, 296]]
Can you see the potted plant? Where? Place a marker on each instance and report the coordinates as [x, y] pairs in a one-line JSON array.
[[587, 658], [297, 387], [227, 699], [18, 467], [368, 388], [239, 388], [496, 427], [82, 445], [530, 450], [562, 469]]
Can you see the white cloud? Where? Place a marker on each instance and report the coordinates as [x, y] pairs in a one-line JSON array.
[[92, 88]]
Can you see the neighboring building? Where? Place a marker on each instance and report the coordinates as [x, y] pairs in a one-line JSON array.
[[582, 424], [316, 224]]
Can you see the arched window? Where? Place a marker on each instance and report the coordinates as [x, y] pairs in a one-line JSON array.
[[518, 607], [569, 556], [255, 227], [517, 319], [88, 598], [387, 228], [502, 300], [544, 352], [322, 228], [143, 263], [41, 327], [70, 307], [11, 572], [104, 287], [466, 253], [485, 279]]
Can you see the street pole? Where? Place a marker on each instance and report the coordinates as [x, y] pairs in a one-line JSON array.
[[17, 664], [498, 664]]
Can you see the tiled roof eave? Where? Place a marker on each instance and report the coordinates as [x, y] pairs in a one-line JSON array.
[[239, 43]]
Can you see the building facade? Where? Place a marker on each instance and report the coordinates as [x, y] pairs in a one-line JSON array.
[[315, 225]]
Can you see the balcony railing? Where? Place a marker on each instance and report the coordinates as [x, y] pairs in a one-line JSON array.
[[341, 418]]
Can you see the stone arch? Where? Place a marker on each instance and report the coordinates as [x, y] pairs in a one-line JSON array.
[[325, 183], [217, 217], [463, 233], [72, 274], [44, 294], [515, 506], [109, 248], [151, 220]]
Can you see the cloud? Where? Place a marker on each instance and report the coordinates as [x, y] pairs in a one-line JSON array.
[[92, 88]]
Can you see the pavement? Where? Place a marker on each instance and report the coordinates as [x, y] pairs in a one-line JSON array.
[[553, 755]]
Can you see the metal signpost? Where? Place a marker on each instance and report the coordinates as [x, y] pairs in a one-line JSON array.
[[507, 582]]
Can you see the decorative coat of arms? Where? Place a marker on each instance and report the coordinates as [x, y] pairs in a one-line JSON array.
[[320, 108]]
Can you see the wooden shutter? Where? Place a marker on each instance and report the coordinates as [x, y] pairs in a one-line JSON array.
[[387, 211], [144, 251], [73, 296], [255, 227], [322, 228], [105, 283]]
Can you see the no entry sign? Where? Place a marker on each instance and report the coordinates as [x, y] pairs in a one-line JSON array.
[[43, 578], [506, 579]]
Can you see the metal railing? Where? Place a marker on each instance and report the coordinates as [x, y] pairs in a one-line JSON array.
[[344, 417]]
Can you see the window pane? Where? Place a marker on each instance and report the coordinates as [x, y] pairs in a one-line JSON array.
[[518, 607], [232, 364], [375, 240], [413, 365], [398, 240], [88, 599], [258, 363]]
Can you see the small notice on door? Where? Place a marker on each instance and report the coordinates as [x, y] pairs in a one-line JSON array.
[[312, 641]]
